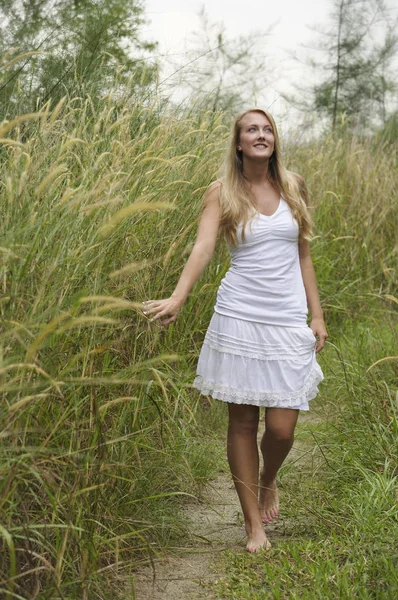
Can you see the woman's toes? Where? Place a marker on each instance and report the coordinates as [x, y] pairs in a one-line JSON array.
[[270, 516], [255, 548]]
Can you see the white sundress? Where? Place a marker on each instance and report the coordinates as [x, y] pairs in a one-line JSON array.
[[258, 348]]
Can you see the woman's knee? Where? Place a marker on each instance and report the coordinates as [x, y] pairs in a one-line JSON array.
[[243, 419], [281, 434], [280, 424]]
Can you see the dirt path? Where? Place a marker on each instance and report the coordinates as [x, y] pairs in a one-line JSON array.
[[216, 525]]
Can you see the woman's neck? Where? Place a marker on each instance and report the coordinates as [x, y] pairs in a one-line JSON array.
[[256, 172]]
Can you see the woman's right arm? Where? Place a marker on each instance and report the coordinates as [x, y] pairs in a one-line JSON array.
[[198, 260]]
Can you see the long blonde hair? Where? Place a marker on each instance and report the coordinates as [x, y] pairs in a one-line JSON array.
[[236, 199]]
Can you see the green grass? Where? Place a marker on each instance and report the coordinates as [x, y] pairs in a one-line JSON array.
[[311, 569], [102, 435]]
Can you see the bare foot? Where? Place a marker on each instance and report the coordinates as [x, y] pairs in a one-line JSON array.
[[269, 501], [257, 540]]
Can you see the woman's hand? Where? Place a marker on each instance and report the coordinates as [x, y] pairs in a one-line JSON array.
[[319, 330], [169, 307]]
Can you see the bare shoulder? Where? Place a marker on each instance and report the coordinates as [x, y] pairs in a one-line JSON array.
[[212, 194], [302, 186], [299, 178], [210, 216]]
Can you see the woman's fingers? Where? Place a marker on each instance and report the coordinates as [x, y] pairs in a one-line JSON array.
[[159, 314], [151, 306], [149, 311], [167, 321], [157, 309], [319, 330], [321, 342]]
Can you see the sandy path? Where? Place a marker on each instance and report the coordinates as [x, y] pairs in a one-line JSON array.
[[215, 526]]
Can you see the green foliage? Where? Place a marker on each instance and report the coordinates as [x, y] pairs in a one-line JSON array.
[[99, 426], [73, 47], [310, 570], [352, 184], [356, 75], [389, 131]]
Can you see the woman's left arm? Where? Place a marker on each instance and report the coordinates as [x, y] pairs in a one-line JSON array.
[[311, 289]]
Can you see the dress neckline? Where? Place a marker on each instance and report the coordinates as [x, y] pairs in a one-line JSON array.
[[273, 214]]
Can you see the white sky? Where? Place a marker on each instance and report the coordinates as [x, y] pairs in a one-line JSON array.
[[171, 23], [173, 20]]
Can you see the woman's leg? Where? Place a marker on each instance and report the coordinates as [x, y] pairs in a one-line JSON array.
[[275, 446], [242, 452]]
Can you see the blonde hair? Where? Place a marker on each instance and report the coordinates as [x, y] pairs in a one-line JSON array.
[[236, 199]]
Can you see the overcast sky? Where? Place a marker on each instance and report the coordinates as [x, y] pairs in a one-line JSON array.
[[172, 22]]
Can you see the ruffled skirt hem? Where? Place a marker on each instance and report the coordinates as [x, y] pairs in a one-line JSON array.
[[247, 362], [296, 400]]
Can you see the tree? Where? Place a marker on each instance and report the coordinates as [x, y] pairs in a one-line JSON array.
[[356, 77], [69, 45]]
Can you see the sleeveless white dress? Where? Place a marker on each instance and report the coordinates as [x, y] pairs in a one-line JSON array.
[[258, 348]]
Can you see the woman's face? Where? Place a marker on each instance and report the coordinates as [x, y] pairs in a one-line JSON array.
[[256, 137]]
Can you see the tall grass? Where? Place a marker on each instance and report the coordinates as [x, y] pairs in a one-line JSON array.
[[98, 419], [353, 185], [100, 430]]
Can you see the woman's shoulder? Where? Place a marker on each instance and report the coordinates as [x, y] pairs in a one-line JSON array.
[[212, 193], [299, 186], [215, 185], [299, 179]]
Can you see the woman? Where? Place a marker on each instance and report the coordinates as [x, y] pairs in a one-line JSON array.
[[258, 349]]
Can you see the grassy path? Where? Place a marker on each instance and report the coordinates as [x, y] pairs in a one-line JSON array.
[[217, 532]]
